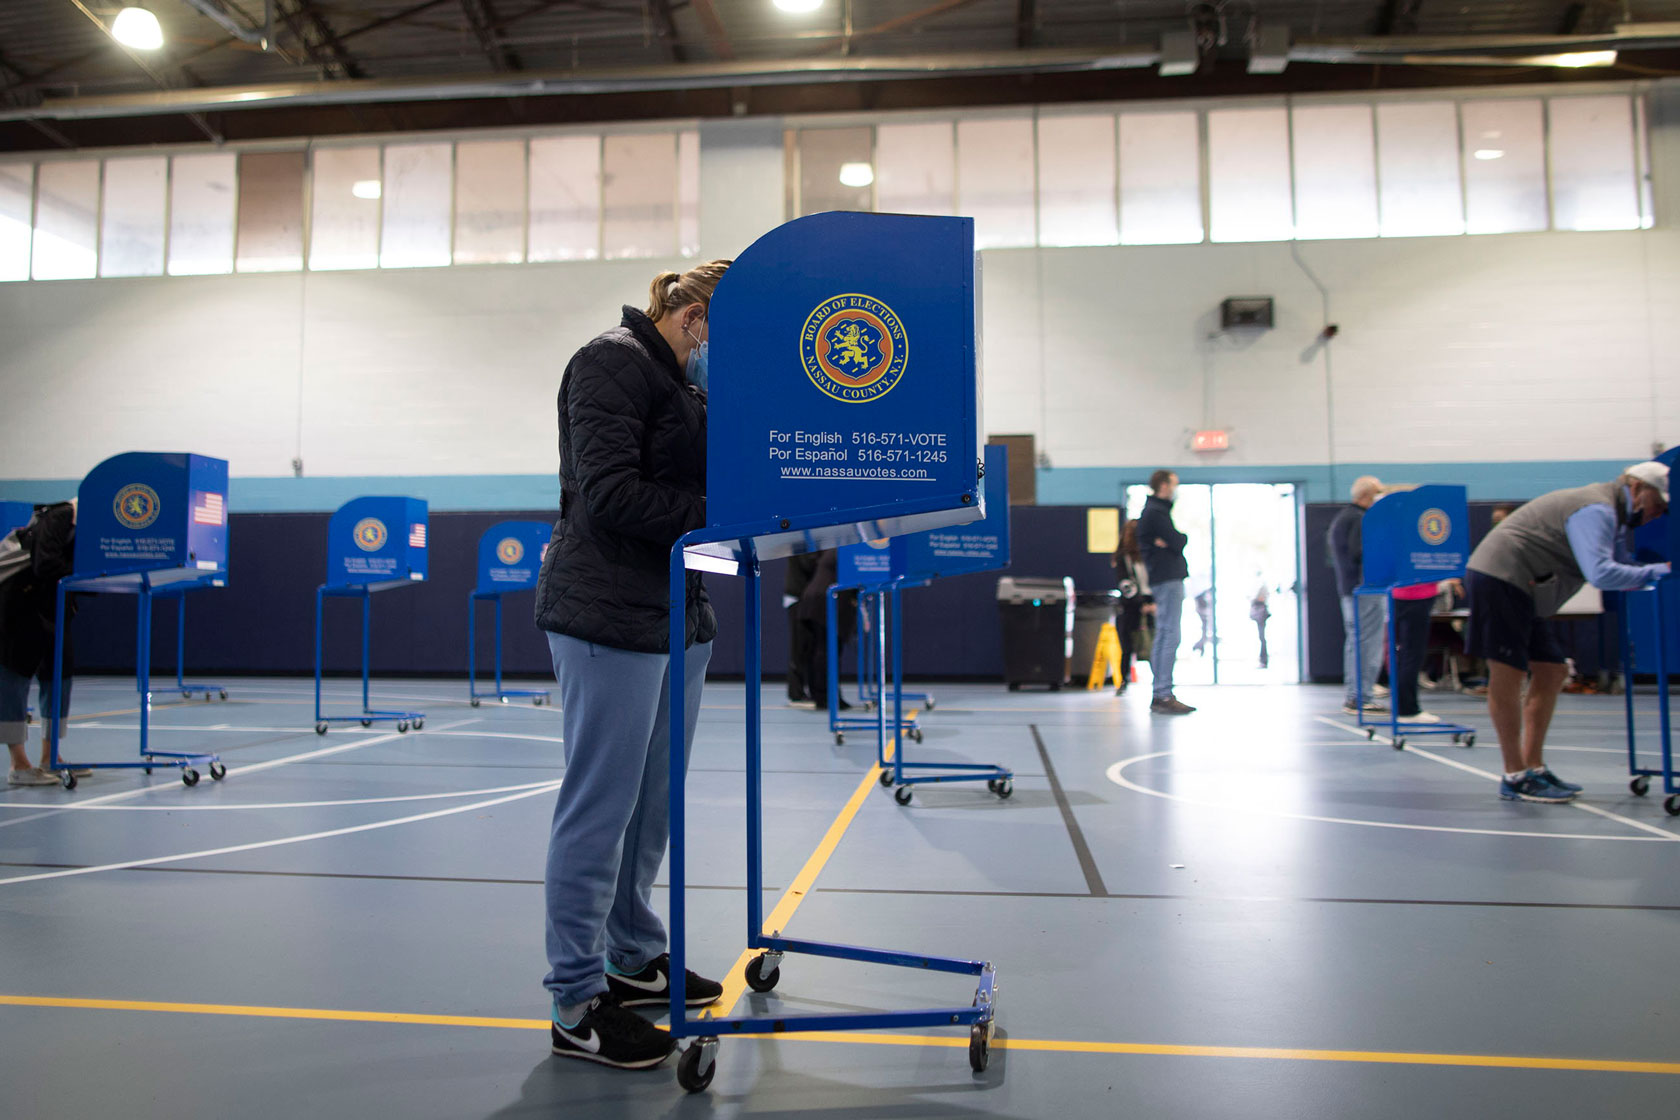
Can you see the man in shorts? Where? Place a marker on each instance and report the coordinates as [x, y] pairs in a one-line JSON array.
[[1523, 571]]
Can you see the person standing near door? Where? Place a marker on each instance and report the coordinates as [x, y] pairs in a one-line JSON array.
[[1136, 602], [1361, 655], [1162, 546], [1260, 612]]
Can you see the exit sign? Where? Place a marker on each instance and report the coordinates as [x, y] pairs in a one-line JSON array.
[[1213, 439]]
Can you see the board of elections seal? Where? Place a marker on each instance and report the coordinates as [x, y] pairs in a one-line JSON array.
[[1434, 526], [370, 534], [854, 348], [136, 505], [509, 551]]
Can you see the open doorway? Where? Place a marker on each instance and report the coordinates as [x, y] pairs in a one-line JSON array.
[[1243, 539]]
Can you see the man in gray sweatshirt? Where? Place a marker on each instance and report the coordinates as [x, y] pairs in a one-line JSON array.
[[1521, 573]]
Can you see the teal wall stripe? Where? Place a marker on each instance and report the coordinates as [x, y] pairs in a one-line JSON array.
[[1056, 485]]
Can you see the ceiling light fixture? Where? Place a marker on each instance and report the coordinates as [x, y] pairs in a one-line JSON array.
[[365, 188], [1576, 60], [798, 7], [1489, 153], [856, 174], [137, 28]]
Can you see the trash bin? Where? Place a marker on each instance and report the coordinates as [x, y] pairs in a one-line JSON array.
[[1037, 620], [1091, 609]]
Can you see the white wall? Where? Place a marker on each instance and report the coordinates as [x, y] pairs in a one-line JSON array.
[[1523, 347]]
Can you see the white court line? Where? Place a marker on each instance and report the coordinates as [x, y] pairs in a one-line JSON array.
[[438, 732], [256, 767], [281, 841], [226, 806], [1480, 773], [1117, 776]]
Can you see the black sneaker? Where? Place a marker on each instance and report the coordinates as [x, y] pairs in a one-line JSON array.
[[652, 986], [612, 1036]]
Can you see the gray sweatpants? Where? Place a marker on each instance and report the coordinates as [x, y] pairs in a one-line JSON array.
[[612, 815]]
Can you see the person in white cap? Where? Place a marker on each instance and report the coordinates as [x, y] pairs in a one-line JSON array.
[[1521, 573]]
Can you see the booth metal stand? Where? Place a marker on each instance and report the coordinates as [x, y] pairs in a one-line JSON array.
[[179, 593], [373, 545], [864, 442], [1649, 620], [869, 668], [148, 524], [1410, 537], [509, 557]]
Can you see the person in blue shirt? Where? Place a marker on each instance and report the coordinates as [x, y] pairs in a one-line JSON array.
[[1526, 568]]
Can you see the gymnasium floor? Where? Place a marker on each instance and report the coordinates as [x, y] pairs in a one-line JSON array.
[[1251, 912]]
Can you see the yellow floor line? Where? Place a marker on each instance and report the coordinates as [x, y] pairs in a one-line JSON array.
[[1038, 1045]]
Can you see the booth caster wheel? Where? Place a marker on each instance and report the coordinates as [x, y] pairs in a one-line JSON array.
[[979, 1048], [697, 1065], [68, 779], [189, 778], [402, 727], [1470, 740], [419, 724], [1399, 744], [756, 980], [208, 697], [538, 701], [1014, 686], [902, 795], [217, 771], [916, 734], [222, 692], [321, 728], [886, 778], [930, 703], [1671, 805], [1003, 787], [1370, 735], [839, 739], [1640, 786], [367, 723], [148, 771], [475, 701]]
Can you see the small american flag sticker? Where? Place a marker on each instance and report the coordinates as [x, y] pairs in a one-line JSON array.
[[417, 535], [209, 509]]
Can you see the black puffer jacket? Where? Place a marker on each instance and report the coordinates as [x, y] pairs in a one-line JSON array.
[[29, 600], [632, 480]]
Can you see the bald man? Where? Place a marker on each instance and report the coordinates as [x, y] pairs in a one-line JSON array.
[[1360, 659]]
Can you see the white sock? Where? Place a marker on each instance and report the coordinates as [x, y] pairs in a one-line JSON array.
[[1518, 776]]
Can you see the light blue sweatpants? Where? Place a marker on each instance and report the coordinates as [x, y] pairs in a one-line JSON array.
[[612, 816]]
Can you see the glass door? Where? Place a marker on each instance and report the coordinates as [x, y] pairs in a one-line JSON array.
[[1241, 621]]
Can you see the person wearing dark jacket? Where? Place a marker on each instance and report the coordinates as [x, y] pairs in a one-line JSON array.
[[811, 616], [1135, 601], [28, 612], [632, 411], [1162, 546], [801, 684], [1362, 659]]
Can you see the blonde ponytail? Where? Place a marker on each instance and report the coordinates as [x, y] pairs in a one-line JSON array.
[[672, 291]]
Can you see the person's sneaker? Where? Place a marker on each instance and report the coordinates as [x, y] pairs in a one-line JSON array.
[[612, 1036], [1170, 706], [1532, 787], [1370, 709], [651, 987], [32, 776], [1379, 690], [1421, 717], [1552, 779]]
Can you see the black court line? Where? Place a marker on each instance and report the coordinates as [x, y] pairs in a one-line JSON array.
[[346, 875], [1093, 877]]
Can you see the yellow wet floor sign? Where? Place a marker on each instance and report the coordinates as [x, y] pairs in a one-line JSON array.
[[1105, 662]]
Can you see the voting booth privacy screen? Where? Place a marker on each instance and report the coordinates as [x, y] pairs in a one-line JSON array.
[[979, 546], [510, 554], [162, 514], [1416, 536], [377, 543], [839, 403]]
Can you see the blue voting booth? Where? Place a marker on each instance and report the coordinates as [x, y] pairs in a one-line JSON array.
[[883, 573], [373, 545], [1411, 537], [14, 515], [1649, 624], [844, 406], [510, 555], [147, 524]]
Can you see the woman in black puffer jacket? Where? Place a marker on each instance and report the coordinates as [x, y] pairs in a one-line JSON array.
[[632, 481]]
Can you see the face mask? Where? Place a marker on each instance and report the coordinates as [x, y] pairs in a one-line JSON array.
[[696, 370]]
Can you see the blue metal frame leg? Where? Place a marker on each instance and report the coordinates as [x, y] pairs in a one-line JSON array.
[[539, 696], [369, 715]]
